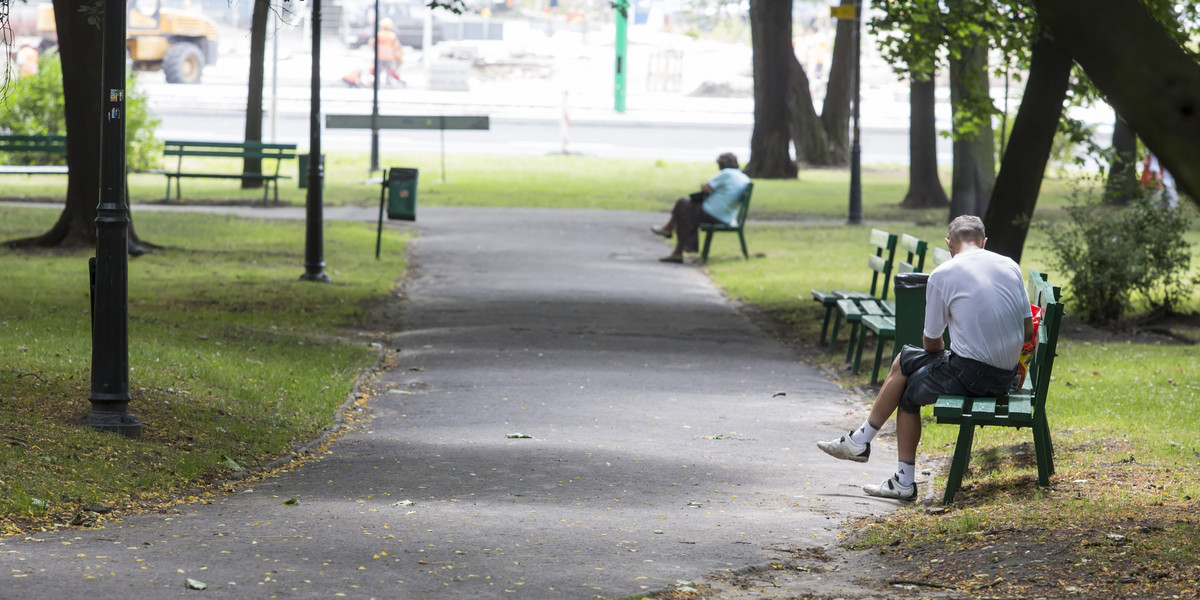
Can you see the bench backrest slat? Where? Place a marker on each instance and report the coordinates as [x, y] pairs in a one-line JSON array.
[[1041, 367], [744, 205], [881, 260], [915, 247], [940, 255], [202, 144], [56, 144]]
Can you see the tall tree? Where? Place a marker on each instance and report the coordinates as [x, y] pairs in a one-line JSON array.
[[1144, 73], [79, 44], [808, 132], [970, 100], [839, 91], [80, 38], [254, 91], [924, 183], [1024, 162], [910, 33], [771, 32]]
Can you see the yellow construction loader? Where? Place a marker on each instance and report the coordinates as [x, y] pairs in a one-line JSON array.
[[179, 42]]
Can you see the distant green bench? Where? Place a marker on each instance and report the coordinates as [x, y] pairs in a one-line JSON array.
[[880, 261], [236, 150], [710, 228], [48, 146], [1023, 408]]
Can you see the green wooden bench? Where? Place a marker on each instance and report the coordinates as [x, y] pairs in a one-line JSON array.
[[880, 261], [1023, 408], [884, 326], [43, 148], [236, 150], [711, 228], [855, 312]]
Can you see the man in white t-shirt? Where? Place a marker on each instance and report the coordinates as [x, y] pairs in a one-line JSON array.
[[980, 297]]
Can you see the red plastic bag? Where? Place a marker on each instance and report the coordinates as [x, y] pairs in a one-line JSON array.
[[1028, 349]]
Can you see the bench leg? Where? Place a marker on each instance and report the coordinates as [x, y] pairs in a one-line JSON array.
[[167, 197], [837, 324], [707, 242], [878, 358], [825, 324], [962, 457], [856, 330], [1044, 451], [862, 341], [742, 239], [266, 191]]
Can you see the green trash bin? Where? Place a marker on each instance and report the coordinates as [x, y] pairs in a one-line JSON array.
[[909, 292], [302, 176], [401, 187]]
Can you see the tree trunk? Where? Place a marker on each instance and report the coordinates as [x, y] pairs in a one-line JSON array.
[[808, 134], [839, 92], [771, 31], [1146, 77], [79, 49], [974, 153], [1024, 163], [1122, 175], [254, 93], [82, 66], [924, 183]]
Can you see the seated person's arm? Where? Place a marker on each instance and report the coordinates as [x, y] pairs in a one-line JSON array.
[[1028, 329], [707, 189], [934, 344]]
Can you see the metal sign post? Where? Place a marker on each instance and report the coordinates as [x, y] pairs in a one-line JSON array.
[[622, 8]]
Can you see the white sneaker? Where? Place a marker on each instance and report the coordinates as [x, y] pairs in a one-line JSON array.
[[845, 449], [891, 488]]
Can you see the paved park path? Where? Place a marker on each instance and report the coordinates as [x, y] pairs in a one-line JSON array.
[[670, 439]]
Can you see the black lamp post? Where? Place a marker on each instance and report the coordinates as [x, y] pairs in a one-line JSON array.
[[110, 268], [855, 217], [314, 240]]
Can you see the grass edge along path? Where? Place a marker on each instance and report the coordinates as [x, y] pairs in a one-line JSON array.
[[234, 362]]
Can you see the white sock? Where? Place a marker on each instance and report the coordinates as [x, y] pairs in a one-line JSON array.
[[864, 434], [906, 473]]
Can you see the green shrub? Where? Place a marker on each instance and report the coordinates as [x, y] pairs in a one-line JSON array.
[[35, 107], [1113, 254]]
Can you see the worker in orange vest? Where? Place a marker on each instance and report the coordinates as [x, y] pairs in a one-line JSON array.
[[390, 53], [27, 59]]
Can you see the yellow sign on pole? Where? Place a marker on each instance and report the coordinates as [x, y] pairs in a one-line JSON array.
[[845, 11]]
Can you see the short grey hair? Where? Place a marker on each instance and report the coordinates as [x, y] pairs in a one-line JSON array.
[[966, 227], [727, 160]]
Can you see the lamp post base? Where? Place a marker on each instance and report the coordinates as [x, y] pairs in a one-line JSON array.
[[318, 277], [122, 423]]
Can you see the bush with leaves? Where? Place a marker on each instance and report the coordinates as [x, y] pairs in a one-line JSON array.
[[34, 106], [1112, 255]]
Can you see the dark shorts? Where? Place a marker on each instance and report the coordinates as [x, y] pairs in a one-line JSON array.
[[931, 374]]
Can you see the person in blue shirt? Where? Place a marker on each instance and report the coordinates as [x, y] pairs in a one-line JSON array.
[[716, 202]]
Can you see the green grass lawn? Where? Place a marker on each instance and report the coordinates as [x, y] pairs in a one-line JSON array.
[[231, 356]]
